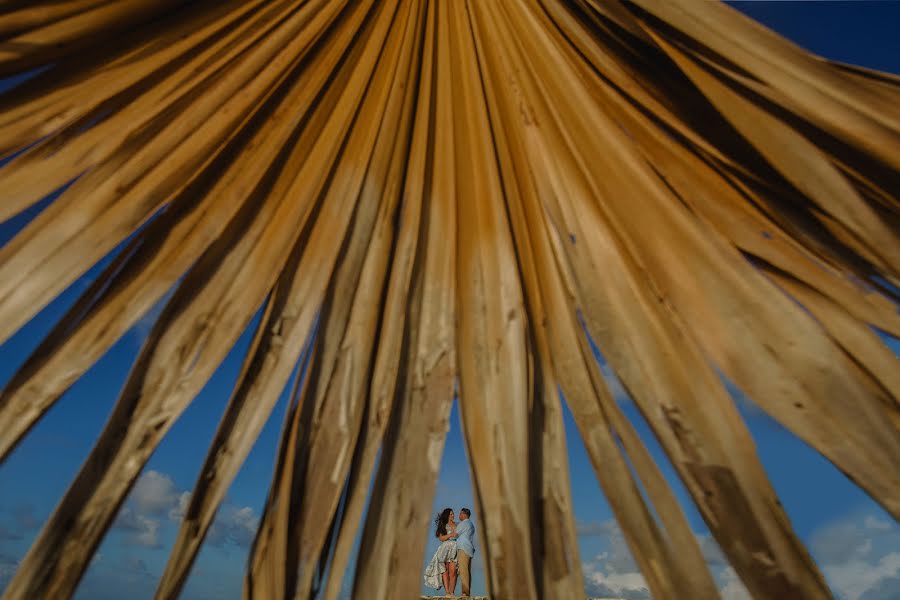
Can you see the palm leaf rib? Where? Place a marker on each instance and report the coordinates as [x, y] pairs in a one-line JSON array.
[[425, 198]]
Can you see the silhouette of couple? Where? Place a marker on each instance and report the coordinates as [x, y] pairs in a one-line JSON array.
[[453, 557]]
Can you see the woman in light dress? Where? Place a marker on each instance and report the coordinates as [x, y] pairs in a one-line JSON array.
[[442, 568]]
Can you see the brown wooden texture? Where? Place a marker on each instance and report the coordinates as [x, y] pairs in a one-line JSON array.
[[441, 198]]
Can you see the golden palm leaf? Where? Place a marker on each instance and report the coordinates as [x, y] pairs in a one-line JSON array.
[[417, 193]]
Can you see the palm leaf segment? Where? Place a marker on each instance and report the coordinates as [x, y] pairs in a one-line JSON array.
[[415, 193]]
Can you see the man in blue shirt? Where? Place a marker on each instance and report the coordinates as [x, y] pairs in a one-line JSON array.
[[465, 548]]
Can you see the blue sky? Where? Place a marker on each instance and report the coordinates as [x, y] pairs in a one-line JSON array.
[[855, 542]]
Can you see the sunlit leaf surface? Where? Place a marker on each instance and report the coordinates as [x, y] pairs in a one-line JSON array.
[[426, 199]]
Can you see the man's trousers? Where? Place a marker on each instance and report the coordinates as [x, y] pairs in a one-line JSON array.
[[465, 574]]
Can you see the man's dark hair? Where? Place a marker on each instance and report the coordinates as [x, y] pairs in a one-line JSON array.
[[467, 511]]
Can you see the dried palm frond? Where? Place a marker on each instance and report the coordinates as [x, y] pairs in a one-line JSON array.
[[410, 192]]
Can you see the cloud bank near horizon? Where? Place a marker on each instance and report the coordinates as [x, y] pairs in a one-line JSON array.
[[859, 555]]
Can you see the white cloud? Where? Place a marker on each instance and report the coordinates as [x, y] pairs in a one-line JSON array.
[[177, 512], [154, 493], [886, 589], [859, 556], [601, 580], [235, 525], [876, 524], [854, 579], [595, 528], [711, 551], [732, 586], [141, 530], [612, 572]]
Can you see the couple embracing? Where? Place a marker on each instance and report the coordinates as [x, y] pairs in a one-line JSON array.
[[454, 556]]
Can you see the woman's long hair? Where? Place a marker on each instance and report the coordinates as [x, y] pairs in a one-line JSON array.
[[441, 521]]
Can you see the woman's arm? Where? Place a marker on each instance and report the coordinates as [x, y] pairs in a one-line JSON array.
[[450, 535]]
